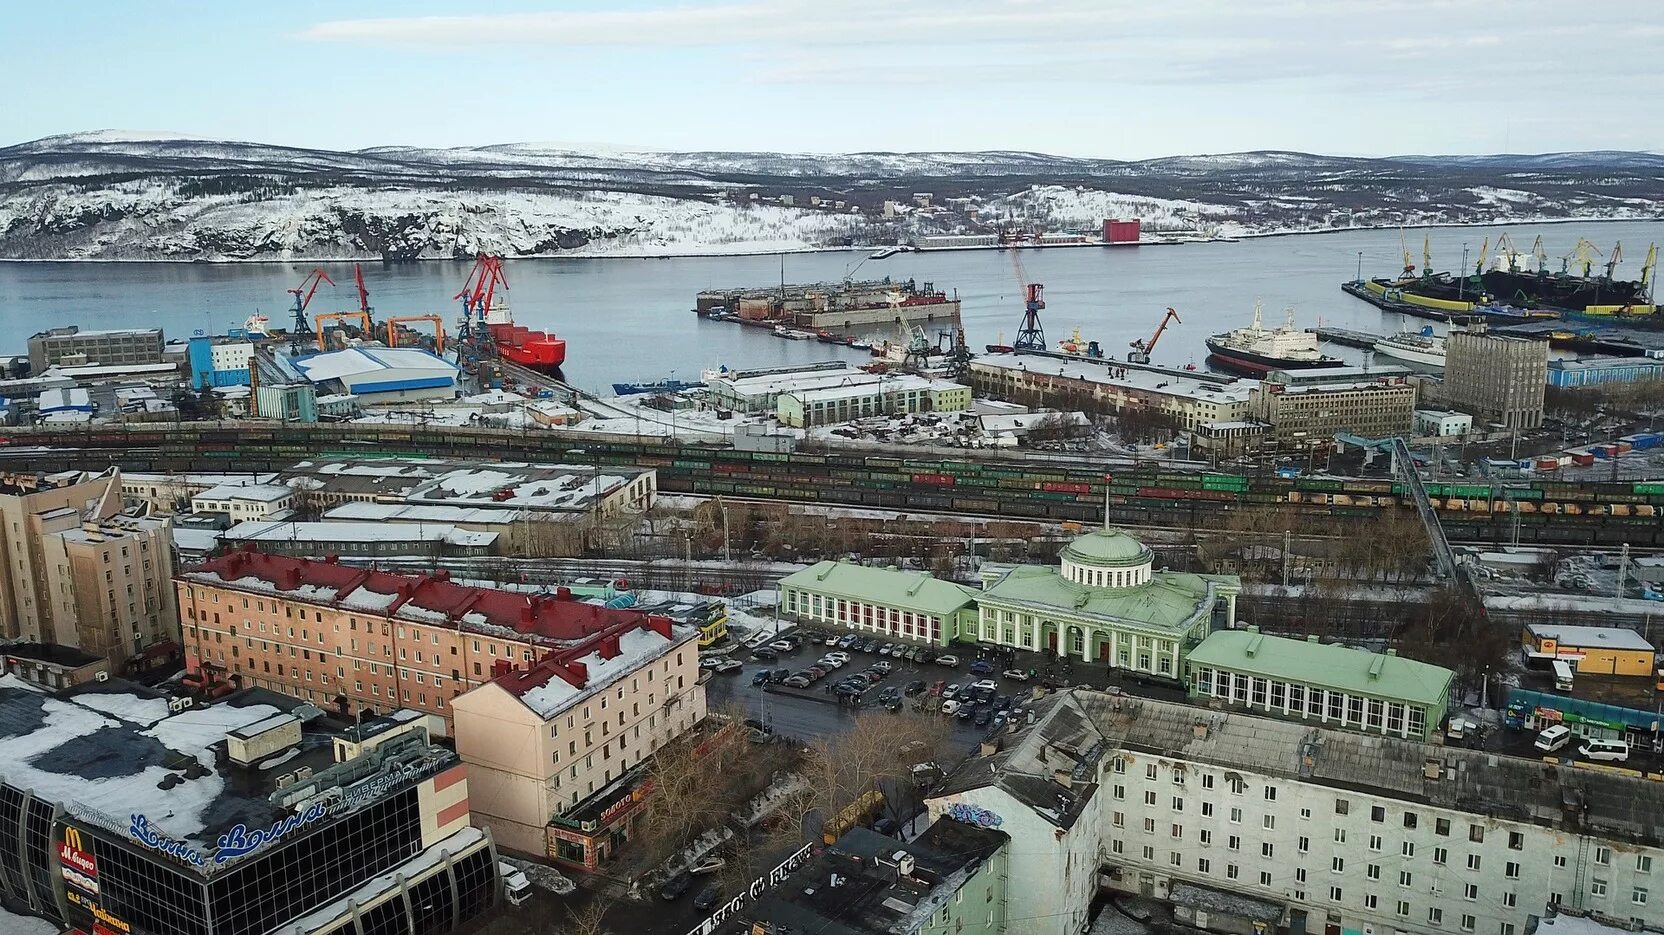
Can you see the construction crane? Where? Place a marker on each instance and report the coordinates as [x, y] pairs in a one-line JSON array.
[[1540, 254], [303, 297], [1030, 335], [1409, 264], [438, 330], [1647, 270], [1141, 350], [363, 293], [1484, 253], [339, 317]]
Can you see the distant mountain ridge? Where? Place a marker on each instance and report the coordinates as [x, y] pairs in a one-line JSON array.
[[141, 195]]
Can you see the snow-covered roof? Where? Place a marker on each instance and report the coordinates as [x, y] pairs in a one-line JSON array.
[[1200, 386], [335, 365], [202, 480], [567, 677], [359, 510], [260, 493], [71, 398], [269, 531]]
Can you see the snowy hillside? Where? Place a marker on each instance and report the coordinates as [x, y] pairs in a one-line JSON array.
[[139, 195]]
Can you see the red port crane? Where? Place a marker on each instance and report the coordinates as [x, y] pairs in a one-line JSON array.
[[303, 297], [363, 293], [479, 291], [1141, 349]]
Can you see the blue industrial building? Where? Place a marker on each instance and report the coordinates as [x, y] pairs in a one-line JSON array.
[[1570, 374]]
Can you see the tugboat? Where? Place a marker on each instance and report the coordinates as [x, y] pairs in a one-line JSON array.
[[1256, 351]]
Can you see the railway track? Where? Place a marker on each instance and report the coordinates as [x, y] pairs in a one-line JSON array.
[[999, 487]]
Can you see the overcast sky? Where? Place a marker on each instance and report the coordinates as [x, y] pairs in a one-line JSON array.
[[1106, 78]]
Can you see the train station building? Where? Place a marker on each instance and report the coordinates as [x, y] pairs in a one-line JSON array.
[[126, 811], [1105, 603]]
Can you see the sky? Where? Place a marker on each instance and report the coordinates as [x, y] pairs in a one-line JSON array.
[[1123, 79]]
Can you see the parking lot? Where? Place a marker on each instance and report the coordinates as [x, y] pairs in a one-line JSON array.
[[792, 686]]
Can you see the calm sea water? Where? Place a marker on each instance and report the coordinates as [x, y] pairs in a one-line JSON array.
[[629, 319]]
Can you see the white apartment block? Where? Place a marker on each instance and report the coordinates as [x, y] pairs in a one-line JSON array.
[[1349, 834]]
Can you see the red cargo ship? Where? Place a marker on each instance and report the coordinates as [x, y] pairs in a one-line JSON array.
[[538, 350]]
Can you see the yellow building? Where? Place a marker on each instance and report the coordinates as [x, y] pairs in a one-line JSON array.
[[1591, 650]]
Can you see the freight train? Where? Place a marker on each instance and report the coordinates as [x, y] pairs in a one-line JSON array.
[[1057, 490]]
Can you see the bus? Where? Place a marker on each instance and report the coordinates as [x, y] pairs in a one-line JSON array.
[[1562, 675]]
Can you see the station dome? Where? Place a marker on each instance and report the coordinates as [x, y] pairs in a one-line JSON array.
[[1107, 558]]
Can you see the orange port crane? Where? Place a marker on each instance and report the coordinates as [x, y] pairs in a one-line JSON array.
[[339, 317], [438, 329], [303, 294], [1141, 349]]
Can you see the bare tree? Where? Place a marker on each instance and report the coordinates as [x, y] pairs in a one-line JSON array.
[[589, 919]]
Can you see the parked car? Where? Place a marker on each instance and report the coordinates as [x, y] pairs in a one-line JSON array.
[[951, 692], [1554, 738], [937, 686], [883, 667], [797, 681], [847, 641], [1001, 702], [985, 687], [780, 675], [951, 662], [983, 716], [707, 865], [915, 687], [782, 646], [729, 666], [982, 667], [707, 898], [1015, 675], [841, 657], [890, 698], [831, 639], [870, 645], [710, 662], [966, 711], [950, 707], [762, 677], [763, 652], [886, 649], [674, 887]]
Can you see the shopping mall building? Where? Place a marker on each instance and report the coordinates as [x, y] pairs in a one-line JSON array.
[[125, 812]]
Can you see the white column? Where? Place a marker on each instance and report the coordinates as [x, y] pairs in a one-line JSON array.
[[1086, 644]]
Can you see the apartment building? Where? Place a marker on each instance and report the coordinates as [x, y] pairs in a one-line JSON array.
[[84, 573], [359, 640], [72, 346], [1333, 831], [1498, 378], [554, 749]]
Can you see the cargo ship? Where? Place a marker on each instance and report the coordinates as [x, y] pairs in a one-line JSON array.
[[1256, 351], [1565, 291], [1416, 347], [538, 350], [656, 387]]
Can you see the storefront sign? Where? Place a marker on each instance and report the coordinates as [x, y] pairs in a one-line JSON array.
[[757, 888], [618, 808], [80, 880], [240, 840], [72, 854], [141, 831], [104, 918]]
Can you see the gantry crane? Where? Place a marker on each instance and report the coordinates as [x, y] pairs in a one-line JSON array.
[[438, 330], [1613, 261], [1647, 271], [1507, 252], [1484, 253], [1409, 264], [1141, 350], [303, 297], [1030, 335], [339, 317], [1584, 253]]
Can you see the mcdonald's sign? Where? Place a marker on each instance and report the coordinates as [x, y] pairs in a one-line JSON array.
[[73, 854]]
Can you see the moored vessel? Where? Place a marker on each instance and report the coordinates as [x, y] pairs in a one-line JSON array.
[[1416, 347], [1256, 350]]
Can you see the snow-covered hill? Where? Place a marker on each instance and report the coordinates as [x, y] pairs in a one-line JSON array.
[[140, 195]]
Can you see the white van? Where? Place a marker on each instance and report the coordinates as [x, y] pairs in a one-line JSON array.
[[1554, 738], [1615, 750], [1562, 676]]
